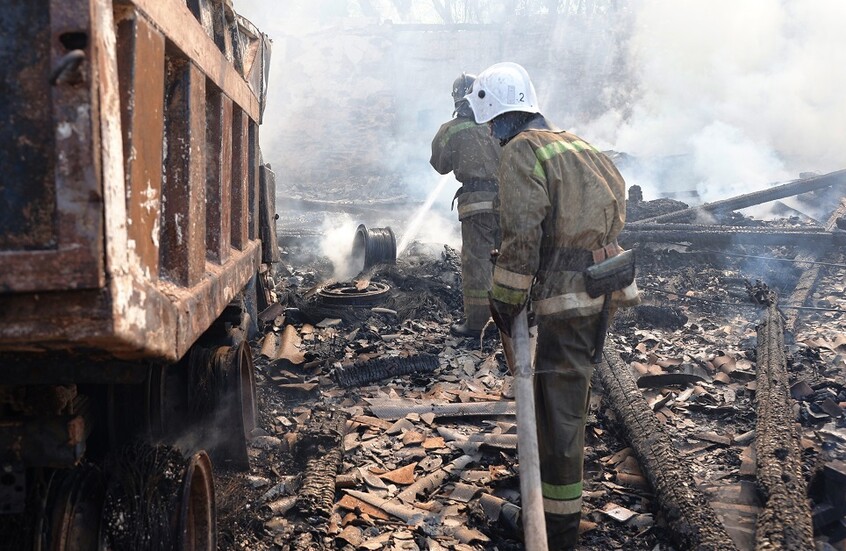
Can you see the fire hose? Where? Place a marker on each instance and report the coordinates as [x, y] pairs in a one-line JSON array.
[[534, 524]]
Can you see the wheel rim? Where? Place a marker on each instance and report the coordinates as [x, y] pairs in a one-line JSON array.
[[224, 402], [74, 509], [247, 389], [197, 511]]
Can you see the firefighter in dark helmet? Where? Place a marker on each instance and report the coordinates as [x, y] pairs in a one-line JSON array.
[[468, 150], [561, 206]]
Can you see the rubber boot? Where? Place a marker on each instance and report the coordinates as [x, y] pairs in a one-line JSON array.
[[464, 330], [562, 531], [476, 317]]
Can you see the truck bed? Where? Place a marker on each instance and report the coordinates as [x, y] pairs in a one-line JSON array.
[[132, 180]]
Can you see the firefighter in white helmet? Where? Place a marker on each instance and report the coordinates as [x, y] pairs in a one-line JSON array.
[[561, 206], [468, 150]]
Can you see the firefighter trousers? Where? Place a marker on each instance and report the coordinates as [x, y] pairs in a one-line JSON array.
[[479, 236], [562, 389]]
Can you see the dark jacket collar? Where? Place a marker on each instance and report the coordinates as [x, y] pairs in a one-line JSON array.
[[508, 125]]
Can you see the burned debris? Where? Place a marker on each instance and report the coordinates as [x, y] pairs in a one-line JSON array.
[[155, 322], [712, 427]]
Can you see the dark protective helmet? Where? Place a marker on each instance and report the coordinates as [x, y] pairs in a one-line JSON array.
[[462, 86]]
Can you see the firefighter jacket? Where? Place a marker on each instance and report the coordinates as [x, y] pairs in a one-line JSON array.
[[561, 201], [469, 151]]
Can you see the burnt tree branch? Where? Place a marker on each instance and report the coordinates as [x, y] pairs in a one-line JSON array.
[[693, 522], [785, 519]]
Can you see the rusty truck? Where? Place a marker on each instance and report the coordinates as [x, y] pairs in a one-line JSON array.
[[136, 234]]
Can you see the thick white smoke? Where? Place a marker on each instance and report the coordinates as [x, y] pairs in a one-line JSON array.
[[752, 91], [719, 97]]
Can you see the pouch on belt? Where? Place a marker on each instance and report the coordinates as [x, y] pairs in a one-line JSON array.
[[602, 279]]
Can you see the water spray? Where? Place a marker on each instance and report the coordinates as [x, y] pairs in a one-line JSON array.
[[419, 215]]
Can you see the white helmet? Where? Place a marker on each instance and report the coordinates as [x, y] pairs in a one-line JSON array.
[[502, 88]]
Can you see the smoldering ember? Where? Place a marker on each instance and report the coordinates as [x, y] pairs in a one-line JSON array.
[[265, 275]]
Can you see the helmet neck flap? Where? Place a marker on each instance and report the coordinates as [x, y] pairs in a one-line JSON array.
[[504, 127]]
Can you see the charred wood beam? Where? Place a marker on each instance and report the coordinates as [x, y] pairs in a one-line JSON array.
[[397, 409], [789, 189], [785, 518], [810, 272], [377, 369], [693, 522], [808, 237], [321, 449]]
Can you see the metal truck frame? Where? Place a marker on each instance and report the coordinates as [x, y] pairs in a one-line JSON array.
[[134, 208]]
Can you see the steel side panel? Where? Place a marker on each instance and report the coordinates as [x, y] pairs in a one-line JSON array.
[[156, 322], [141, 53], [240, 195], [218, 176], [62, 209], [183, 231], [180, 26]]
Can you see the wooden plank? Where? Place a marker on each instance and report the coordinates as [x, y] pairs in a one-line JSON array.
[[141, 58], [218, 176], [184, 189], [240, 179], [181, 27]]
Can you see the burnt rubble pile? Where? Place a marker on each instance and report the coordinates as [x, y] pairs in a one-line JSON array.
[[422, 442]]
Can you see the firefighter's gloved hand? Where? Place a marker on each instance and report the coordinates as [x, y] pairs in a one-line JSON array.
[[504, 313]]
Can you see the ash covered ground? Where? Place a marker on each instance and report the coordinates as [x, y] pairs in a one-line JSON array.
[[314, 485]]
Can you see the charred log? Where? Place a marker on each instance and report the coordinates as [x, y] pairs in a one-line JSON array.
[[811, 271], [694, 523], [321, 450], [785, 519], [377, 369], [789, 189], [691, 233]]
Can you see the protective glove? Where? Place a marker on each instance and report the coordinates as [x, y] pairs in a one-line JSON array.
[[504, 313]]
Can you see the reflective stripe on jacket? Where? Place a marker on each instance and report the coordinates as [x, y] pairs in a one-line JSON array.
[[556, 191], [475, 202]]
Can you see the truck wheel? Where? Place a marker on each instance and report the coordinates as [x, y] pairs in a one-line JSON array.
[[71, 519]]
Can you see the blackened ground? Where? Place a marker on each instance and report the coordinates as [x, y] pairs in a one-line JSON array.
[[696, 308]]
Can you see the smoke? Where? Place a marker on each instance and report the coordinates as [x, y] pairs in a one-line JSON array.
[[707, 99], [423, 226], [750, 92], [336, 245]]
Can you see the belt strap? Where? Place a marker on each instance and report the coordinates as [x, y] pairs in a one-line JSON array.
[[576, 260], [479, 184]]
